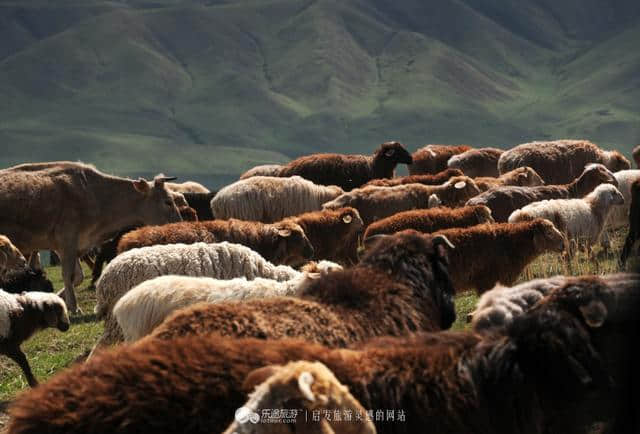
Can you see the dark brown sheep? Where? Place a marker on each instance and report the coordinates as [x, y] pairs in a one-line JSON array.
[[333, 233], [522, 176], [560, 161], [634, 222], [349, 171], [280, 243], [497, 253], [534, 375], [504, 200], [437, 179], [201, 202], [27, 279], [188, 214], [400, 286], [432, 159], [375, 203], [431, 220], [477, 162]]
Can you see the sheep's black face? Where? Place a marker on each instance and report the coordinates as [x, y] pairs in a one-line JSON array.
[[395, 152], [37, 281]]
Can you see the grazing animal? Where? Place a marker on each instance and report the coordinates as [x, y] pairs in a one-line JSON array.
[[201, 202], [375, 203], [187, 187], [334, 233], [505, 200], [26, 279], [532, 376], [431, 220], [634, 222], [432, 159], [477, 162], [145, 306], [400, 286], [522, 176], [437, 179], [498, 253], [560, 161], [22, 315], [280, 243], [349, 171], [72, 207], [308, 387], [270, 199], [581, 220], [220, 260], [10, 257], [262, 170], [619, 216]]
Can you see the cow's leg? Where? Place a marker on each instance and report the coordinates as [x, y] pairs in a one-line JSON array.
[[78, 274], [18, 356], [69, 263]]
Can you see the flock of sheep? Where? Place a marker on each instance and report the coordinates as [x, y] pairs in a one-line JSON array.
[[316, 296]]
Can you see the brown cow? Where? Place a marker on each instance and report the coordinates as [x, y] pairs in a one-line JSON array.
[[71, 207]]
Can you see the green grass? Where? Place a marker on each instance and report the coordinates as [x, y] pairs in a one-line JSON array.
[[51, 351]]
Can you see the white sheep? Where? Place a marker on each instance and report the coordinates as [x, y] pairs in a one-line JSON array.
[[218, 260], [22, 315], [620, 214], [269, 199], [581, 220], [140, 310], [499, 306]]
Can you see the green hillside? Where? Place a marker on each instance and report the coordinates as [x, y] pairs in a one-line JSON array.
[[205, 89]]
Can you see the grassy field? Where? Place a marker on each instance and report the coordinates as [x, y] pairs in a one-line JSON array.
[[50, 351]]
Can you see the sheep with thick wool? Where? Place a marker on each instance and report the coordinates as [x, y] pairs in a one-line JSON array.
[[505, 200], [400, 286], [268, 199], [477, 162], [619, 216], [145, 306], [349, 171], [307, 387], [431, 220], [262, 170], [22, 315], [580, 220], [533, 377], [434, 158], [375, 203], [280, 243], [219, 260], [522, 176]]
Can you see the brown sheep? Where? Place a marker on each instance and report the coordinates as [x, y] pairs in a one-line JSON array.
[[431, 220], [437, 179], [498, 253], [333, 233], [432, 159], [634, 222], [310, 388], [348, 171], [400, 286], [522, 176], [375, 203], [280, 243], [534, 375], [477, 162], [560, 161], [504, 200], [636, 156]]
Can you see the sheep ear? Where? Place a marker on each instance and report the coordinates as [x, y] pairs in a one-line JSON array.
[[460, 185], [284, 233], [442, 243], [259, 376], [141, 185], [314, 276], [433, 201], [347, 218], [594, 313], [389, 152], [305, 380]]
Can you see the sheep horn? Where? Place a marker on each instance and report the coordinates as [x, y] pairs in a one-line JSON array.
[[441, 239], [305, 380]]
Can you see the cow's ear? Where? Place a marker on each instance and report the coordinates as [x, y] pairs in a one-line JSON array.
[[141, 185]]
